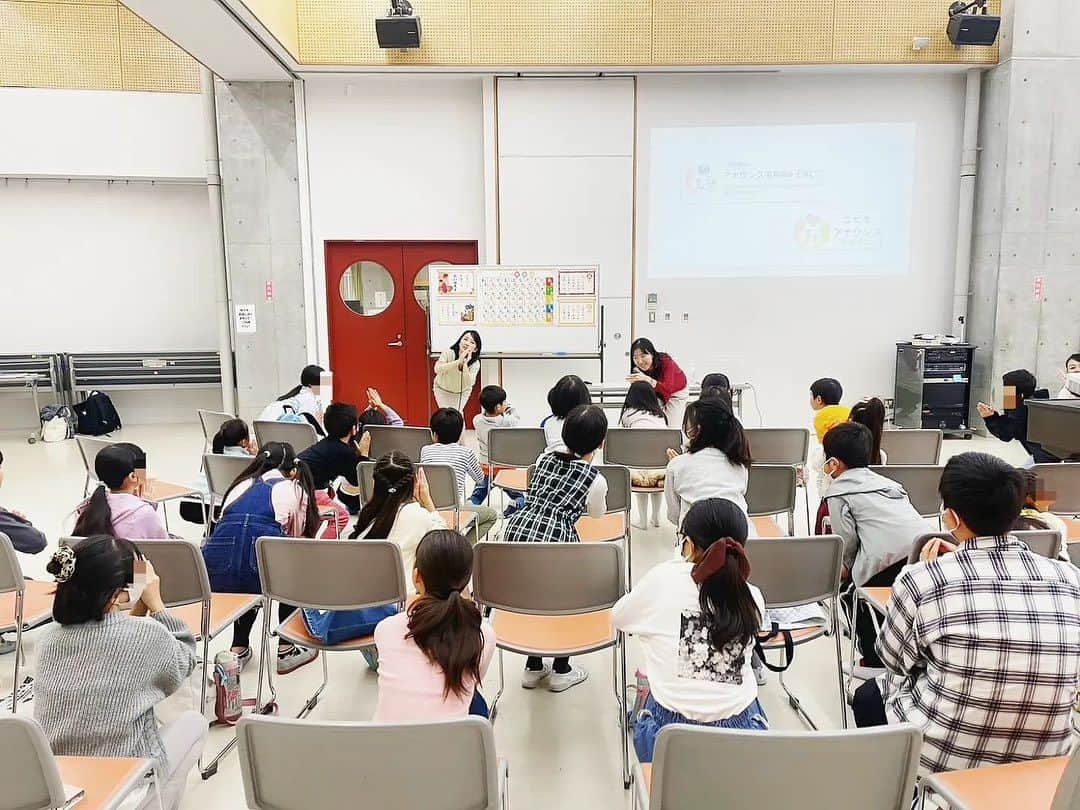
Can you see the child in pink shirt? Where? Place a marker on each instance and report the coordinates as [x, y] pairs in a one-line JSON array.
[[433, 656], [120, 510]]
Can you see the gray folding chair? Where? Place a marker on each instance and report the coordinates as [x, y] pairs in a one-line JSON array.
[[386, 439], [788, 446], [89, 447], [28, 768], [450, 765], [441, 481], [912, 446], [641, 449], [864, 769], [221, 473], [1012, 785], [300, 435], [1045, 542], [185, 590], [1059, 487], [770, 490], [211, 422], [555, 599], [920, 482], [795, 571], [325, 575], [12, 582], [515, 448]]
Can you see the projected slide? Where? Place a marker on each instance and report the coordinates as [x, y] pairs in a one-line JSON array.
[[830, 199]]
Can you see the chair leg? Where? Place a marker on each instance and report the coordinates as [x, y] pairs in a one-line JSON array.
[[313, 701], [852, 618], [502, 685], [806, 499], [840, 667], [624, 731], [20, 598], [796, 704]]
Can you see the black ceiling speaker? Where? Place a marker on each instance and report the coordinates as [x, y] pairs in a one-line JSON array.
[[400, 28], [972, 29]]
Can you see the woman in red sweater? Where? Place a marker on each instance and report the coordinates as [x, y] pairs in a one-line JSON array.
[[661, 372]]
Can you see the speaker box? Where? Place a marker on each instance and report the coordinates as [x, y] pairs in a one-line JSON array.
[[398, 32], [973, 29]]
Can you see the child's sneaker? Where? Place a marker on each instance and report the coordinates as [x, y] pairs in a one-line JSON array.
[[532, 678], [561, 681], [290, 659]]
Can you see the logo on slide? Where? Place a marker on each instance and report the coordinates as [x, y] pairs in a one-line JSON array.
[[699, 178], [812, 232]]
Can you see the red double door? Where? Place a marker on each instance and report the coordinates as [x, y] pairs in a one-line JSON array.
[[377, 295]]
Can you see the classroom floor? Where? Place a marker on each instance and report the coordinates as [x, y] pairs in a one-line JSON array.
[[559, 747]]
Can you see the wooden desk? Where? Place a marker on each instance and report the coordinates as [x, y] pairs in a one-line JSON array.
[[767, 527], [1073, 525], [225, 608], [37, 606], [1030, 785], [877, 598], [160, 491], [457, 520], [106, 780], [611, 526], [515, 478]]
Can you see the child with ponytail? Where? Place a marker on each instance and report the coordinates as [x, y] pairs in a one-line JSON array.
[[697, 618], [273, 497], [116, 507], [433, 657], [400, 509]]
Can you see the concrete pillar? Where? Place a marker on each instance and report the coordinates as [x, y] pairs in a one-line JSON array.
[[1025, 306], [261, 194]]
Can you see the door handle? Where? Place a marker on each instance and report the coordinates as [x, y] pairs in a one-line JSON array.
[[397, 344]]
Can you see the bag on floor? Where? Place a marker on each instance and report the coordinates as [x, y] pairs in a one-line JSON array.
[[96, 415], [228, 699], [336, 626], [57, 423]]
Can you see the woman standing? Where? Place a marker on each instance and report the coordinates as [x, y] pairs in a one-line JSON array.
[[456, 371], [661, 372]]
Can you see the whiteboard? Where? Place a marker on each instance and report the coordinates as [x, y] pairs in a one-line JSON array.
[[516, 309]]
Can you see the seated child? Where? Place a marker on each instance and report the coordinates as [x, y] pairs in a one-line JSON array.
[[1019, 386], [24, 537], [334, 457], [642, 409], [114, 653], [871, 412], [378, 412], [1072, 369], [717, 386], [565, 395], [825, 395], [447, 425], [716, 464], [433, 656], [301, 403], [233, 438], [564, 487], [877, 521], [1032, 517], [981, 640], [117, 507], [495, 413], [697, 617], [400, 509]]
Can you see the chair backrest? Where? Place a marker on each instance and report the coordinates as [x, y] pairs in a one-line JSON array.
[[922, 540], [409, 440], [441, 481], [322, 765], [222, 471], [794, 571], [641, 448], [331, 574], [28, 769], [515, 447], [212, 421], [1059, 487], [912, 446], [618, 485], [920, 482], [1045, 542], [89, 447], [864, 769], [1067, 796], [778, 445], [180, 565], [548, 578], [770, 489], [11, 576], [300, 435]]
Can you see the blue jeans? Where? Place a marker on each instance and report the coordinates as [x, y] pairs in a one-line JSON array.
[[479, 495], [654, 717]]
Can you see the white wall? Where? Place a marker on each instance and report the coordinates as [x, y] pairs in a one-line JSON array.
[[781, 333], [395, 158], [92, 265]]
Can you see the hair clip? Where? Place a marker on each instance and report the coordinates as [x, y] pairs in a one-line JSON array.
[[65, 558], [392, 490]]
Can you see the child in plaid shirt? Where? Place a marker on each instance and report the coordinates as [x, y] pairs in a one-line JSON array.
[[563, 488]]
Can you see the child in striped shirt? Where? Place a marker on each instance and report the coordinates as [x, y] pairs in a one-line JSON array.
[[447, 425]]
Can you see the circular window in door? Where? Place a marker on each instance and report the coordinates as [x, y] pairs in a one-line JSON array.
[[420, 285], [367, 288]]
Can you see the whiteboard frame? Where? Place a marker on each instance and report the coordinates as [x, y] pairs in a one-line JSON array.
[[437, 334]]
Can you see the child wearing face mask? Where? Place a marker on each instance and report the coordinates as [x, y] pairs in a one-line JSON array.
[[876, 520]]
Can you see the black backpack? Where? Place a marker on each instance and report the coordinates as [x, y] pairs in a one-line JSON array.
[[96, 415]]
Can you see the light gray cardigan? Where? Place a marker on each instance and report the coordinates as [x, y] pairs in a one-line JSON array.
[[97, 683]]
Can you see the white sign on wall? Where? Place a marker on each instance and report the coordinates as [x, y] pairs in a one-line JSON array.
[[245, 319]]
